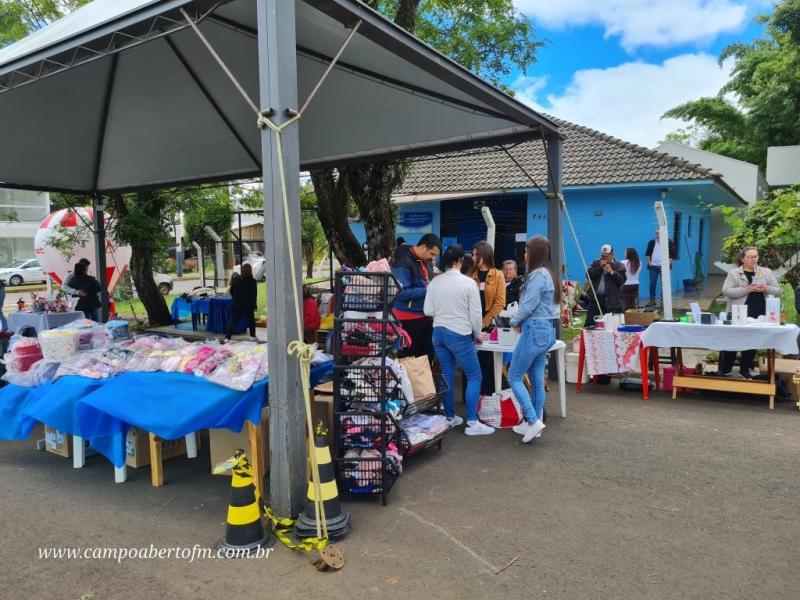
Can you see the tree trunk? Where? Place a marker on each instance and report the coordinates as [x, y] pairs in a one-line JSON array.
[[158, 313], [142, 272], [308, 250], [332, 212], [371, 188]]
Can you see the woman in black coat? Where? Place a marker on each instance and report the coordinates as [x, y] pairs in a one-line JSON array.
[[88, 289], [244, 299]]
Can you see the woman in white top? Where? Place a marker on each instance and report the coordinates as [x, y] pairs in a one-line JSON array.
[[630, 290], [452, 299]]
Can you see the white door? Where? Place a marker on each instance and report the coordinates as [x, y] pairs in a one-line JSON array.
[[33, 271]]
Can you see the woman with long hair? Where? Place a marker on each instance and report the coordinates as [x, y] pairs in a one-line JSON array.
[[453, 302], [492, 287], [244, 299], [88, 289], [538, 306], [630, 289]]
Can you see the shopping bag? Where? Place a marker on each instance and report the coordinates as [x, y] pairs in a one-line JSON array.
[[419, 372], [500, 410]]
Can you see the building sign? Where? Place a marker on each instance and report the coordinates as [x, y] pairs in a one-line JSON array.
[[415, 222]]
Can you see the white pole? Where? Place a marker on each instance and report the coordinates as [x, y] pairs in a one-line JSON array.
[[200, 264], [219, 280], [490, 226], [663, 240], [49, 286]]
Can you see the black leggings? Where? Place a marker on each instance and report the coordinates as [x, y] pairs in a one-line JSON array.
[[727, 358], [236, 316]]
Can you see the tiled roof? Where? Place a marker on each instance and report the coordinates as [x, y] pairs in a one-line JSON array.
[[590, 157]]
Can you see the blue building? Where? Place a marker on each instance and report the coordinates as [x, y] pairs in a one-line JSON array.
[[610, 187]]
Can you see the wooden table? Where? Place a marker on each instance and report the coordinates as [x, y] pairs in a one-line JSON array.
[[728, 338]]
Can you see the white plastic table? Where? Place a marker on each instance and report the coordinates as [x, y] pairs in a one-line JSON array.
[[121, 473], [559, 347]]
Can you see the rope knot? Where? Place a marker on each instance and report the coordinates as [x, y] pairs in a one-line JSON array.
[[305, 352]]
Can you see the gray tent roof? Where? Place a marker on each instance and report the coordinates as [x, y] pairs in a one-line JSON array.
[[120, 95]]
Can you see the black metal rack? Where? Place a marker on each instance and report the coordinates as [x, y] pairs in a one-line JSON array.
[[365, 395], [369, 404]]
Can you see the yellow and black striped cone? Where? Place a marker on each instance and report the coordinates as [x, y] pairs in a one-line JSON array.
[[244, 530], [338, 521]]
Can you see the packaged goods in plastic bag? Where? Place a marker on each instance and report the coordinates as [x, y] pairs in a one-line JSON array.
[[38, 373], [247, 364], [95, 364]]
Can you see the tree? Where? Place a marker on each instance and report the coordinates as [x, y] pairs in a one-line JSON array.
[[312, 237], [488, 37], [760, 105], [18, 18], [773, 226]]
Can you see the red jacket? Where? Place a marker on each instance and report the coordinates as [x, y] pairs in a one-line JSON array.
[[311, 318]]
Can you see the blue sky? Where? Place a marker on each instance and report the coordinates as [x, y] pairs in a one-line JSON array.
[[617, 65]]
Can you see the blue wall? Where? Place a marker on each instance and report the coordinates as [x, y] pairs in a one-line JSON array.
[[620, 215]]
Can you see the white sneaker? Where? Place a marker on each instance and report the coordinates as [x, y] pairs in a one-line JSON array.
[[478, 428], [532, 430], [520, 429], [454, 421]]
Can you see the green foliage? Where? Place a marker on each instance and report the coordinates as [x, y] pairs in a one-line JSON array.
[[312, 237], [771, 225], [488, 37], [18, 18], [760, 105], [206, 206]]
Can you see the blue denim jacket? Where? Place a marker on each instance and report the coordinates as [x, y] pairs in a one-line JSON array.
[[536, 301]]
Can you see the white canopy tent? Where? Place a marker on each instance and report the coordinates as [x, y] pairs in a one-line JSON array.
[[123, 95]]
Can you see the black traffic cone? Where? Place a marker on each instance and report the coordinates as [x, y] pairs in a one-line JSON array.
[[244, 531], [338, 521]]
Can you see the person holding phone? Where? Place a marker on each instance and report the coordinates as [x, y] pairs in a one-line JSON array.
[[608, 276]]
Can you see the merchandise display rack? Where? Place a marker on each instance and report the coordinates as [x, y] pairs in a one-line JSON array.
[[364, 396], [369, 404]]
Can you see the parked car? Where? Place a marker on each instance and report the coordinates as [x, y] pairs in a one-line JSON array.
[[259, 264], [23, 271]]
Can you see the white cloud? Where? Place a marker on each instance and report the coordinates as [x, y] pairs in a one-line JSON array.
[[661, 23], [628, 100]]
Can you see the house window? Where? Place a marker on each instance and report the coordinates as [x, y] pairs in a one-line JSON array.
[[689, 226], [676, 233]]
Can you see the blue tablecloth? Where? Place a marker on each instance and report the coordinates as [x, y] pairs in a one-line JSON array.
[[181, 307], [220, 313], [171, 405]]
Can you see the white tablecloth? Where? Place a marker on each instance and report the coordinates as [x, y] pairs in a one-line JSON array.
[[41, 321], [782, 338]]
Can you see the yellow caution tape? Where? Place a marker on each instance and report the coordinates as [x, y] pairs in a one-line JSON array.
[[282, 526]]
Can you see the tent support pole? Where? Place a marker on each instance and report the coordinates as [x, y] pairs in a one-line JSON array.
[[100, 255], [278, 92]]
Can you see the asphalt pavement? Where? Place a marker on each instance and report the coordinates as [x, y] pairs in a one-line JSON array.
[[624, 499]]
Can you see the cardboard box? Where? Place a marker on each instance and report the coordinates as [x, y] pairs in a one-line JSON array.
[[57, 442], [636, 317], [222, 443], [137, 448]]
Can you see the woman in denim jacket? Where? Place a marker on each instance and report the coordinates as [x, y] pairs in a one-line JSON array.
[[538, 306]]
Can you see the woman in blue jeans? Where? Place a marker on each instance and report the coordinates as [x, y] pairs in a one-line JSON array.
[[452, 299], [538, 306]]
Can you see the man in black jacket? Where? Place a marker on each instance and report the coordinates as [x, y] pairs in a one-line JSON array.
[[513, 282], [413, 267], [607, 275], [653, 256]]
